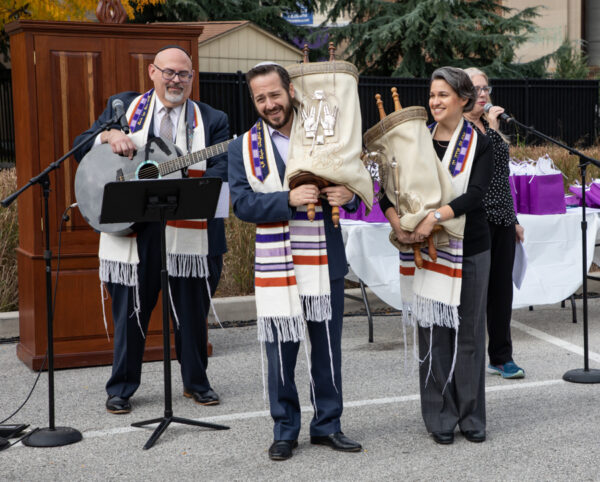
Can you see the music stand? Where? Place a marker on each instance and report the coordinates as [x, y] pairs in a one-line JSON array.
[[161, 200]]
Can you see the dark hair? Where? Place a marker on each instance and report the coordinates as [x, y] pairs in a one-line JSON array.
[[264, 69], [460, 82], [178, 47]]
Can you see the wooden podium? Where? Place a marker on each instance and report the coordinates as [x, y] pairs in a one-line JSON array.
[[63, 74]]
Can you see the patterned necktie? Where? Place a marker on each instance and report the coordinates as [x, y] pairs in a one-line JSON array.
[[166, 125]]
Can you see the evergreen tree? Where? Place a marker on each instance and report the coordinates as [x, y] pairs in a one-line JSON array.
[[411, 38], [267, 14]]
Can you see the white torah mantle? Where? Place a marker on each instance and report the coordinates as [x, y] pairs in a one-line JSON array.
[[326, 133]]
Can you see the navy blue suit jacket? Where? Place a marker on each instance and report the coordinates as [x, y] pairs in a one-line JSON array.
[[216, 129], [254, 207]]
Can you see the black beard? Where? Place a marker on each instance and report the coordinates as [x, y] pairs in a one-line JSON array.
[[287, 114]]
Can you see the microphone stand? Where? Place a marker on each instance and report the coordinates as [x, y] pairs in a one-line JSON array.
[[585, 374], [52, 436]]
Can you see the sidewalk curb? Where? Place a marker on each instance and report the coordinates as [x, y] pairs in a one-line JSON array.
[[235, 308]]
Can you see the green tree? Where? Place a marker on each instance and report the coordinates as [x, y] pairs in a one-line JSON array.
[[411, 38], [571, 62], [267, 14]]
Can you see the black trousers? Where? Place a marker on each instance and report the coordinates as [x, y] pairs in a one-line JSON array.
[[191, 304], [500, 293], [462, 400], [283, 394]]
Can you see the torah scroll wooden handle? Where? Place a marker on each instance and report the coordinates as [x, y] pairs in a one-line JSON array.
[[431, 251], [396, 97], [379, 103], [309, 178]]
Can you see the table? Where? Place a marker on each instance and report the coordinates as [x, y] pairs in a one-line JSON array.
[[552, 244]]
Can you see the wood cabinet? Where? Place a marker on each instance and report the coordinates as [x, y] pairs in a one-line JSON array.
[[63, 74]]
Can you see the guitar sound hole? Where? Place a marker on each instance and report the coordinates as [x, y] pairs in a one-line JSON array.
[[148, 171]]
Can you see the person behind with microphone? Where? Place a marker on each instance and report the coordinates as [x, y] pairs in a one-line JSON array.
[[504, 229], [130, 266]]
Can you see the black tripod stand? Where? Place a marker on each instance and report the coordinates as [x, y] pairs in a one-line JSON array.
[[161, 200], [585, 374], [51, 436]]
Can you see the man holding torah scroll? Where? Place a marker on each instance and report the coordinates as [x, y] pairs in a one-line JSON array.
[[447, 298], [300, 266]]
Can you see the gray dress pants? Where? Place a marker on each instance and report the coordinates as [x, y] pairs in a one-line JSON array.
[[463, 399]]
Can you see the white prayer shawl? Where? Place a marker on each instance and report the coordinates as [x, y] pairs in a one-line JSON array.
[[432, 294], [187, 241], [291, 270]]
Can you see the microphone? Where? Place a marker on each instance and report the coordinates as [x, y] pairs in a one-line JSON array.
[[504, 116], [119, 109]]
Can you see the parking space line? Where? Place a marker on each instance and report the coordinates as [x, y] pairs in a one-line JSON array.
[[554, 340], [350, 404]]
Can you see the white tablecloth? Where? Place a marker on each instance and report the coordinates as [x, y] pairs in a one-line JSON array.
[[552, 244]]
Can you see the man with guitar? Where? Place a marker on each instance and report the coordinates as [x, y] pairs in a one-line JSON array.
[[130, 265]]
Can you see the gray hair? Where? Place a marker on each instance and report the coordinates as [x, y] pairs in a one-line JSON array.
[[459, 81], [473, 71]]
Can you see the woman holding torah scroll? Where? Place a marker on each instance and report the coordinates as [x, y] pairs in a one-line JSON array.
[[449, 296]]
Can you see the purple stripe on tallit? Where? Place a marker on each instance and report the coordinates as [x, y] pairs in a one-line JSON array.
[[272, 238], [272, 252], [306, 230], [303, 216], [443, 255], [306, 246], [407, 256], [274, 267], [456, 243]]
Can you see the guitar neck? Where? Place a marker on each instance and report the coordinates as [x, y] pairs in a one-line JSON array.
[[187, 160]]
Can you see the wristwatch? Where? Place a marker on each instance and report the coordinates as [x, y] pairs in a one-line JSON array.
[[437, 215]]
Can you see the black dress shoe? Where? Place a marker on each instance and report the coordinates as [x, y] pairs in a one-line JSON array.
[[476, 436], [282, 449], [116, 404], [444, 438], [337, 441], [208, 397]]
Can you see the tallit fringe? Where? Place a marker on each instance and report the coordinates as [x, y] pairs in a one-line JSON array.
[[430, 312], [104, 298], [316, 307], [187, 265], [117, 272], [288, 328]]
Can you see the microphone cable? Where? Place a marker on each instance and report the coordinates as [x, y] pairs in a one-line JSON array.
[[64, 218]]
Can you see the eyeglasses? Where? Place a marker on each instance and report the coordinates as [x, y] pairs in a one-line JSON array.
[[168, 74], [486, 90]]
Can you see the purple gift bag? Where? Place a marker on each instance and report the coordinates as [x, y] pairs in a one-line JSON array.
[[375, 216], [592, 197], [546, 194], [522, 188], [513, 191]]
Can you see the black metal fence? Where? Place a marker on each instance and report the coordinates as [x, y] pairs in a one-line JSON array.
[[7, 125], [563, 109]]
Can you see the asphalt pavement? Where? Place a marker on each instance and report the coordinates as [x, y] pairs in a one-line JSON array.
[[539, 428]]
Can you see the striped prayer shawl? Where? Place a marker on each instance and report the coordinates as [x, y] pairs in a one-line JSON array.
[[187, 240], [431, 295], [291, 266]]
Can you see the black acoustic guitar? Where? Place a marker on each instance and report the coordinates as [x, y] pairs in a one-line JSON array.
[[101, 165]]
